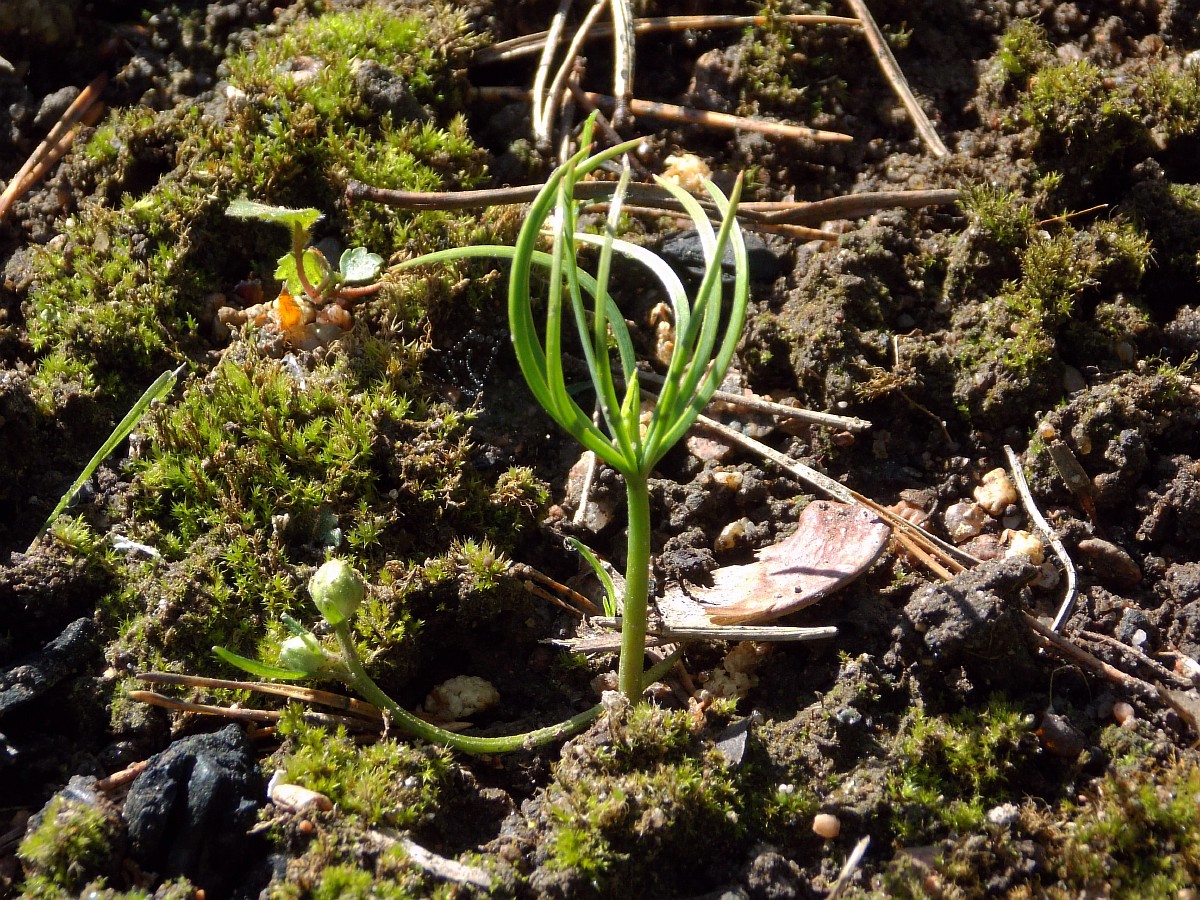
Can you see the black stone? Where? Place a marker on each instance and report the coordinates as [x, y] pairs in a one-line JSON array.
[[189, 812]]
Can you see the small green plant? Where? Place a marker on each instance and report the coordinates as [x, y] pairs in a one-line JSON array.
[[338, 591], [159, 388], [698, 364], [304, 271]]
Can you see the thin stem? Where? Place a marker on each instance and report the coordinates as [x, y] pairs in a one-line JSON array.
[[637, 587], [357, 678], [299, 243]]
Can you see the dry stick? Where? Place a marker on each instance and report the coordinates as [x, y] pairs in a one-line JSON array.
[[123, 777], [1080, 656], [624, 50], [895, 77], [260, 716], [1158, 668], [691, 631], [1039, 522], [758, 404], [529, 44], [583, 604], [849, 206], [952, 558], [53, 146], [290, 691], [672, 113], [544, 126], [538, 93], [846, 206]]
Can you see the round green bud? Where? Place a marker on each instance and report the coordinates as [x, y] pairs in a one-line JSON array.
[[301, 654], [337, 590]]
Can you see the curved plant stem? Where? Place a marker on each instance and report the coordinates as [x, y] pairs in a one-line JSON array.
[[357, 678], [637, 586]]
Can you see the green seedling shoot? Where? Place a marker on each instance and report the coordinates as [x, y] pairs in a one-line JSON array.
[[160, 387], [304, 271], [698, 364]]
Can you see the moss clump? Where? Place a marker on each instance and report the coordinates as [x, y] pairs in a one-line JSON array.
[[1024, 49], [628, 814], [124, 288], [1138, 835], [948, 771], [1004, 215], [258, 471], [75, 841], [1073, 302], [387, 785]]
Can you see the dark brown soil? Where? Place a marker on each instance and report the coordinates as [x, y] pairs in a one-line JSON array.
[[1055, 310]]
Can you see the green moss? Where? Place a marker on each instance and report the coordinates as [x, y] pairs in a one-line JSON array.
[[1138, 835], [948, 771], [1023, 50], [123, 290], [628, 815], [74, 842], [1081, 125], [1004, 215], [388, 783]]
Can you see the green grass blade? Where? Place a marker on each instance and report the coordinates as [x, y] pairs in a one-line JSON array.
[[256, 668], [610, 589], [160, 387]]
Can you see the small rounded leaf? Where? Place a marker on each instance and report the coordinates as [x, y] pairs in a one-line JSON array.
[[337, 590], [359, 266]]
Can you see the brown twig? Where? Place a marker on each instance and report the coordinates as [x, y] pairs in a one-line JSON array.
[[529, 44], [54, 145], [259, 716], [583, 606], [1154, 665], [1078, 655], [123, 777], [624, 54], [290, 691], [780, 213], [683, 114], [846, 206], [895, 77]]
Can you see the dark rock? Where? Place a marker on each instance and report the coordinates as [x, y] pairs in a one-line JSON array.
[[36, 674], [189, 812], [686, 254]]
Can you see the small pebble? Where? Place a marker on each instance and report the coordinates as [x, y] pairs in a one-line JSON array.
[[1004, 815], [827, 826], [1109, 563], [964, 520], [295, 798], [1024, 543], [731, 535], [731, 481], [996, 493], [1123, 712]]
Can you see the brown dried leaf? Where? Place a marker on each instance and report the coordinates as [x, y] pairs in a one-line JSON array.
[[835, 543]]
